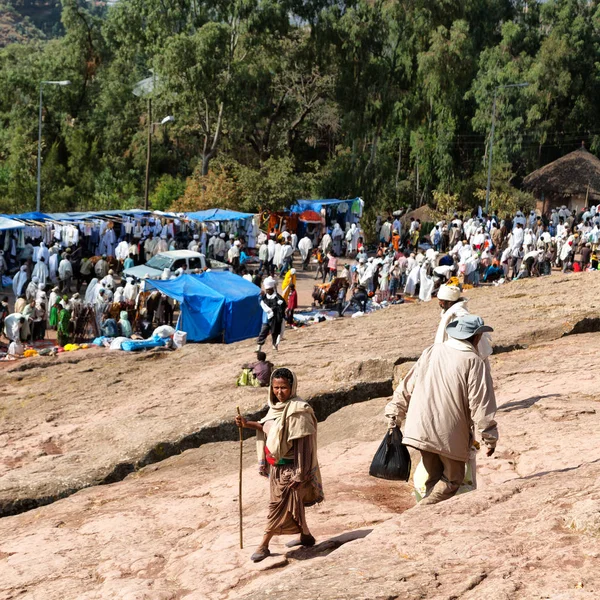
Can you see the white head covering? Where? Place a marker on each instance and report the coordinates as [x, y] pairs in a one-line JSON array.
[[449, 292], [222, 236], [269, 283]]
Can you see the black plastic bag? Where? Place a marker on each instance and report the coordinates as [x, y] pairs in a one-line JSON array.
[[392, 459]]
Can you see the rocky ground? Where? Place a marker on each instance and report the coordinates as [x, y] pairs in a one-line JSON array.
[[169, 529]]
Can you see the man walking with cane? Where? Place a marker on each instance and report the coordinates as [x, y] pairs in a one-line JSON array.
[[444, 397]]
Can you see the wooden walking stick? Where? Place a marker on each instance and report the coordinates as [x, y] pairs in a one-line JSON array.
[[241, 430]]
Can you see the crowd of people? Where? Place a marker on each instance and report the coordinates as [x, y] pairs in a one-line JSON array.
[[58, 286], [476, 249]]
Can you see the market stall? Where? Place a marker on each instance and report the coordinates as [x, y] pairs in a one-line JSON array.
[[221, 220], [214, 305]]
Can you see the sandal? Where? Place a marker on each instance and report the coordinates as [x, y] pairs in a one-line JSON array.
[[305, 540], [260, 554]]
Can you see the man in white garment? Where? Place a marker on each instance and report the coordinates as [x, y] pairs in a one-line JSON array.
[[53, 263], [386, 231], [518, 237], [219, 247], [130, 291], [444, 398], [41, 271], [122, 251], [12, 326], [43, 253], [305, 246], [193, 245], [108, 280], [161, 245], [326, 243], [65, 274]]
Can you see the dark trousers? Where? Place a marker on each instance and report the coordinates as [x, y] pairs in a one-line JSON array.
[[269, 328]]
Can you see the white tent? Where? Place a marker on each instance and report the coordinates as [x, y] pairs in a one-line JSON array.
[[10, 224]]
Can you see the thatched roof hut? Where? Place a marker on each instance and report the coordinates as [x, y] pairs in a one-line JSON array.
[[573, 180]]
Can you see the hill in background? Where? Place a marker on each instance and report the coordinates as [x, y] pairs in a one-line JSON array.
[[25, 20]]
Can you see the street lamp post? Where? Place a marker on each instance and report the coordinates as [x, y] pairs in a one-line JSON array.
[[489, 177], [151, 125], [39, 160], [146, 88]]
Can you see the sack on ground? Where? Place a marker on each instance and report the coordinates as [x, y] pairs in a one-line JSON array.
[[392, 459]]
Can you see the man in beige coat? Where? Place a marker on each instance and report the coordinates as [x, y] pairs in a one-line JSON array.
[[444, 397]]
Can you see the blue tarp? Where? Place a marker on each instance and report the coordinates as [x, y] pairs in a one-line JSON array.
[[242, 312], [32, 216], [217, 214], [317, 205], [214, 304], [201, 307]]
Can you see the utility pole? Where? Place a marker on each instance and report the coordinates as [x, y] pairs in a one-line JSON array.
[[149, 154]]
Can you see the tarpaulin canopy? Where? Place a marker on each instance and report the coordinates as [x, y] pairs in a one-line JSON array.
[[32, 216], [317, 205], [243, 314], [6, 223], [218, 214], [214, 304]]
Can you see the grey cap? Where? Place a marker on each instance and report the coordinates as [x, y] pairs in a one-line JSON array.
[[466, 327]]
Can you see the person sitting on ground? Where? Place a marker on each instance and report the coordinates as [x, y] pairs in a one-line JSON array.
[[260, 371], [124, 324], [286, 440], [109, 326], [360, 298]]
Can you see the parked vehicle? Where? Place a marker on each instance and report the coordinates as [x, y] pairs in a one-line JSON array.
[[174, 260]]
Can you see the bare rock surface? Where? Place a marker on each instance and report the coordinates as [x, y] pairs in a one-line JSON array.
[[94, 416], [170, 530]]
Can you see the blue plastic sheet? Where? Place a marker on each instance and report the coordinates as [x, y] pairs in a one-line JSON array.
[[317, 205], [32, 216], [218, 214], [133, 345], [201, 307], [214, 305], [242, 315]]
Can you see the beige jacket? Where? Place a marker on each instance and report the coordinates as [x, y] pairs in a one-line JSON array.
[[444, 397]]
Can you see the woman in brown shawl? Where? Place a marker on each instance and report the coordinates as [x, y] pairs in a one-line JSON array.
[[286, 441]]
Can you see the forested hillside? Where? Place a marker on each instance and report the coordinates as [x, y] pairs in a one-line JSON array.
[[276, 100]]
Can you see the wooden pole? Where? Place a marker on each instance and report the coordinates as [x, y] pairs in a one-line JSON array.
[[241, 430]]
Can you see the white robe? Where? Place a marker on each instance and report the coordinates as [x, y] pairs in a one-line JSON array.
[[41, 272], [412, 280], [19, 281], [53, 266], [305, 246]]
